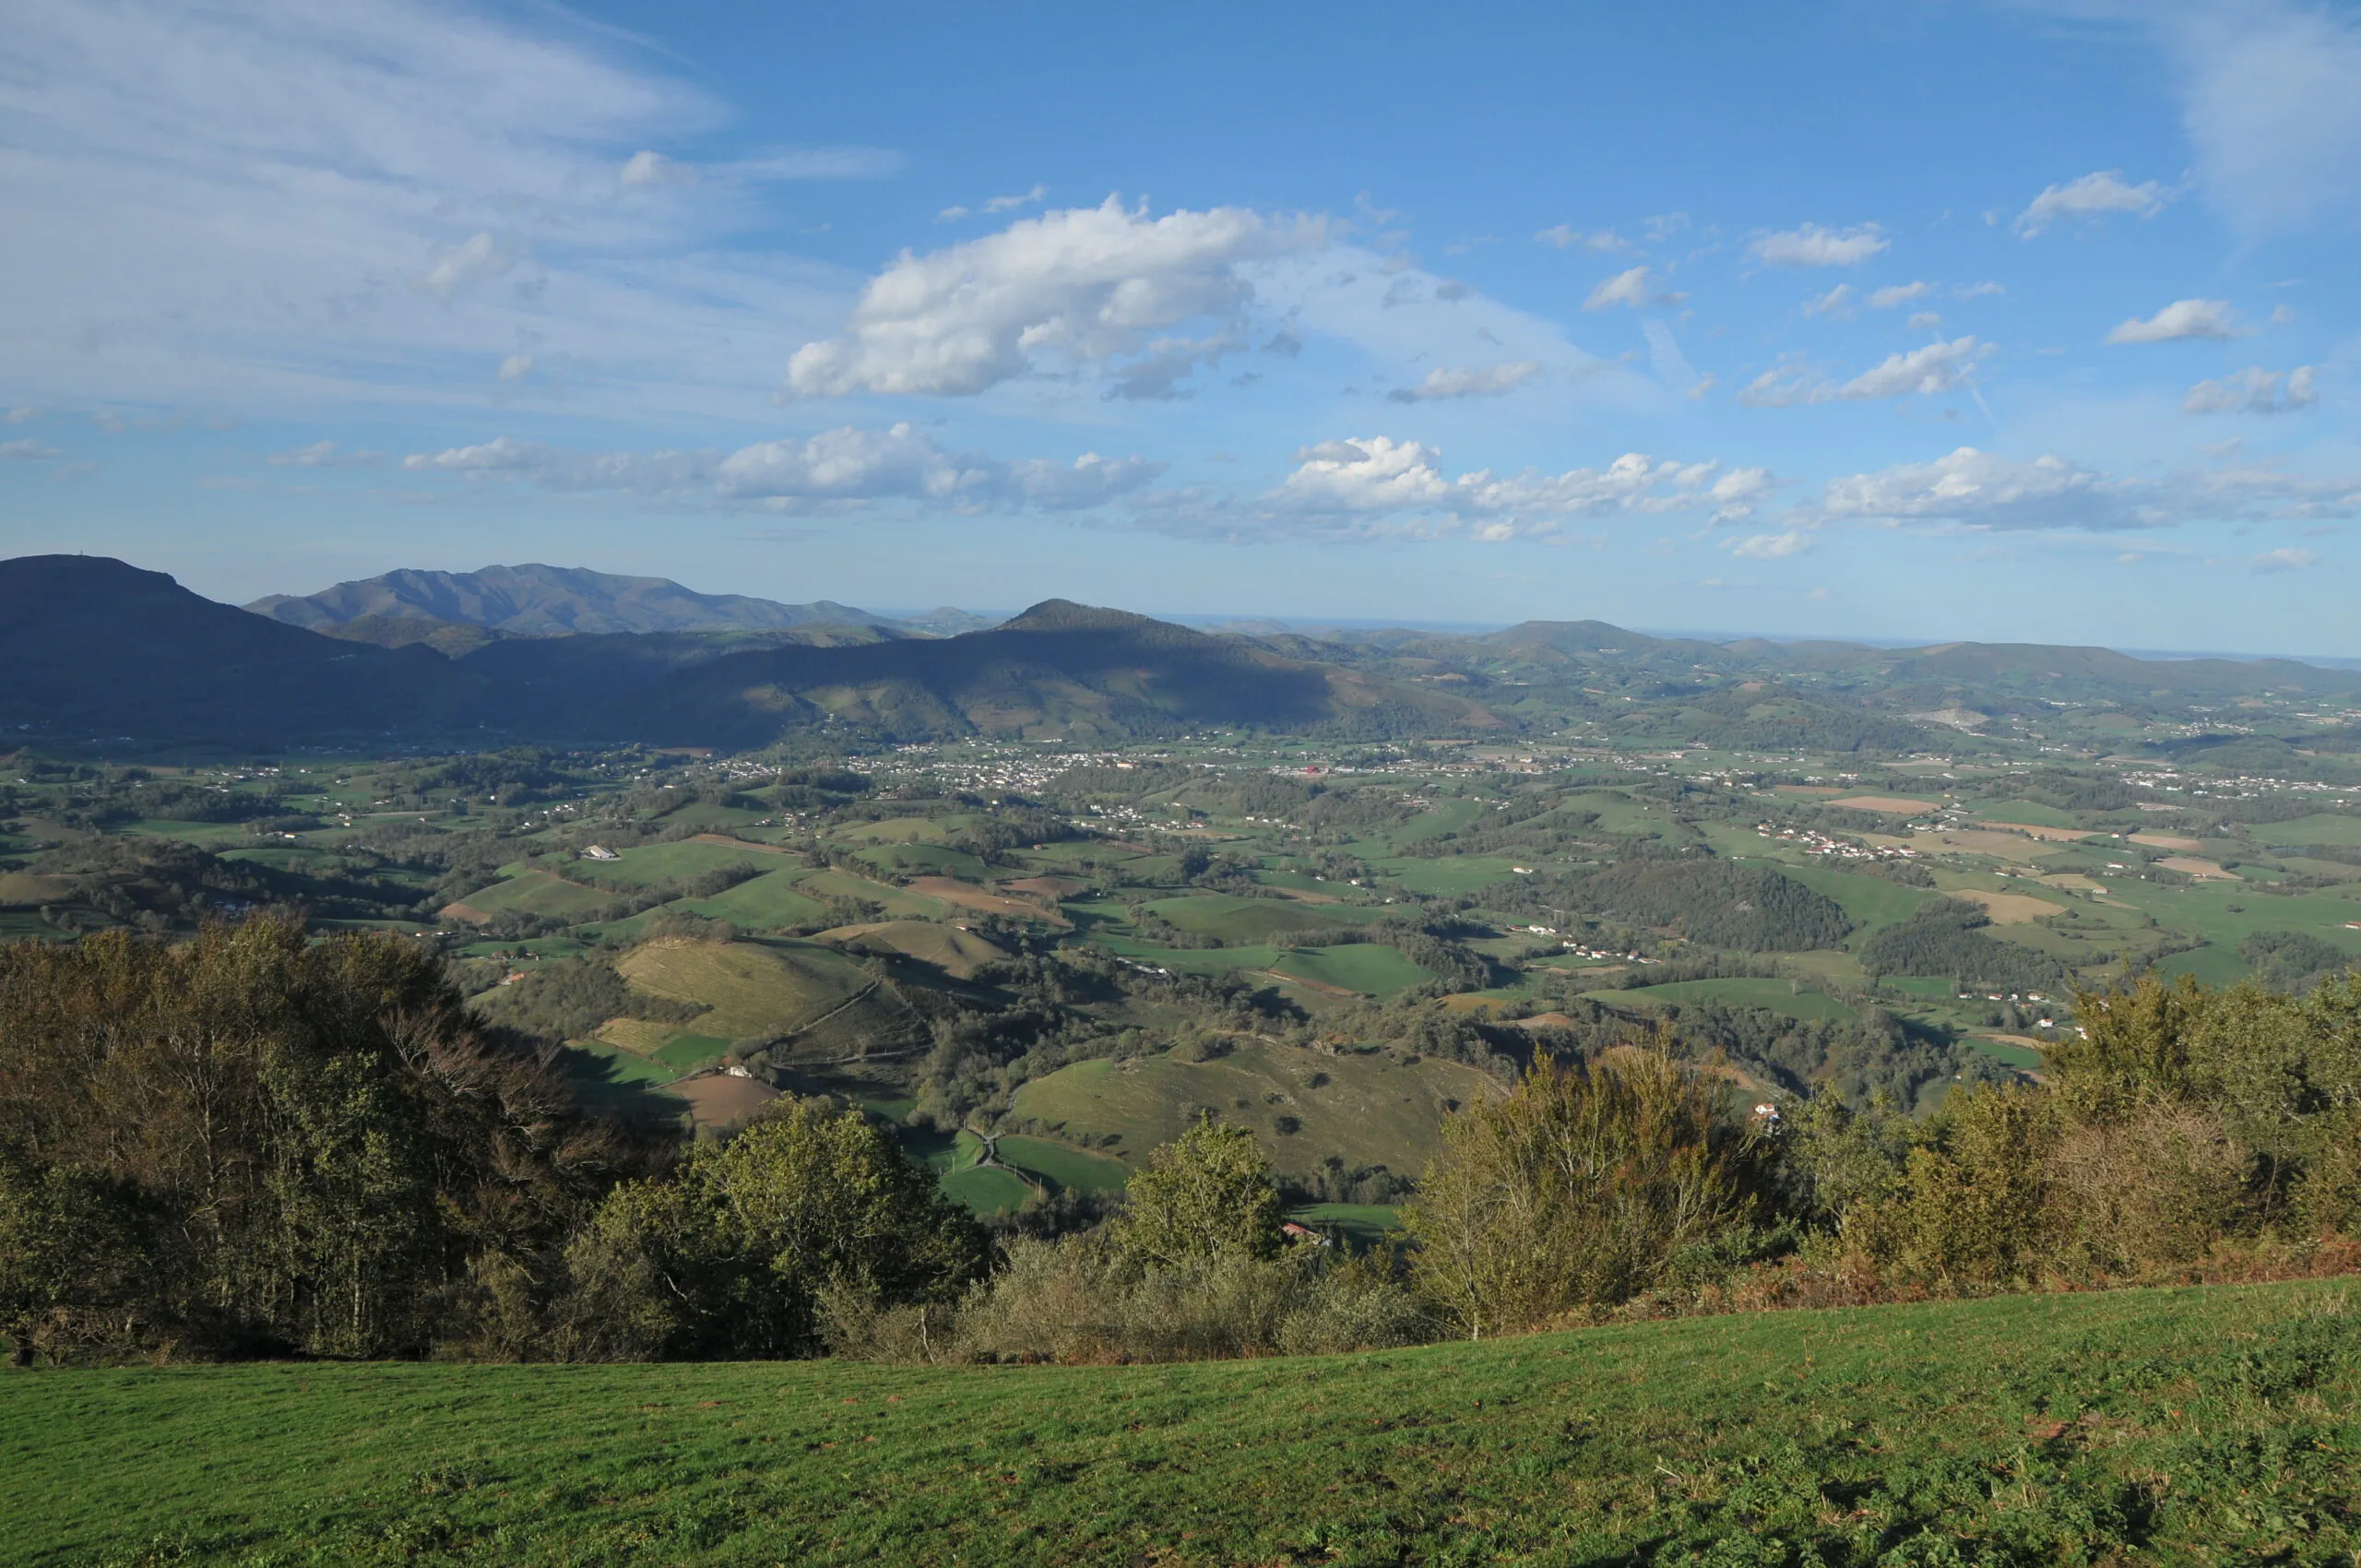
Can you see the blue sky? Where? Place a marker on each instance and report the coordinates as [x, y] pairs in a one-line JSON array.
[[2026, 321]]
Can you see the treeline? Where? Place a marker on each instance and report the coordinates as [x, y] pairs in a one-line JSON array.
[[1944, 939], [1750, 909]]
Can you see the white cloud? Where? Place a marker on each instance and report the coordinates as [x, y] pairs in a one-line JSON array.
[[2090, 197], [1836, 301], [645, 167], [2182, 318], [2268, 101], [997, 204], [1986, 490], [1813, 245], [1936, 368], [1899, 294], [1979, 291], [1983, 488], [2287, 558], [515, 367], [1925, 320], [2254, 391], [846, 466], [1565, 236], [1769, 546], [323, 454], [1469, 381], [1077, 287], [26, 452], [1372, 477], [1627, 287], [269, 208]]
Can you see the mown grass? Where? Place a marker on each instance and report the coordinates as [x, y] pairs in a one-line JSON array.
[[2180, 1426]]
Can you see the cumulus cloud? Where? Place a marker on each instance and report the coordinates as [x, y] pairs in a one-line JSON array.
[[1899, 294], [2091, 196], [323, 454], [1080, 286], [846, 466], [1369, 478], [26, 452], [1627, 287], [2254, 391], [1938, 367], [2182, 318], [1565, 236], [1925, 320], [1469, 381], [1813, 245]]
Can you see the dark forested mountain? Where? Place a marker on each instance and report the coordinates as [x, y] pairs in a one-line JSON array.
[[537, 600], [94, 647]]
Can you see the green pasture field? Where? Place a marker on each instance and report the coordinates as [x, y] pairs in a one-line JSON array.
[[760, 904], [2022, 1057], [988, 1190], [1078, 1170], [1369, 967], [896, 830], [2204, 911], [1452, 874], [1257, 919], [752, 990], [898, 903], [1769, 995], [539, 892], [925, 859], [2186, 1425], [2324, 827], [2211, 965], [1870, 902], [1369, 1108], [652, 863], [707, 818]]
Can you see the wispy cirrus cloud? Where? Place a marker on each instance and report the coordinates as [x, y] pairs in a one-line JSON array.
[[1813, 245], [279, 208], [849, 467], [1989, 491]]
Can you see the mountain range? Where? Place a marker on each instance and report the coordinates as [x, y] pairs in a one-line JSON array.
[[540, 601], [99, 651]]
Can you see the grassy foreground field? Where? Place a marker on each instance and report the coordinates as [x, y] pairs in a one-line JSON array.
[[2187, 1426]]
